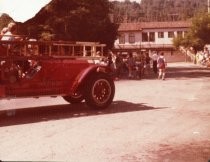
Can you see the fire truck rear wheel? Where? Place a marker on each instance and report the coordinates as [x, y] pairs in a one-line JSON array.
[[74, 99], [100, 91]]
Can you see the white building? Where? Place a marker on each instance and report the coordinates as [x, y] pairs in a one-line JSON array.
[[135, 37]]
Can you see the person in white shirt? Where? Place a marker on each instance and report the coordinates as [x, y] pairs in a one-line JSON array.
[[9, 35]]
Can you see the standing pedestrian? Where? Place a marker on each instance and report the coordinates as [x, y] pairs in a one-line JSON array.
[[130, 64], [147, 63], [143, 64], [111, 64], [161, 61], [154, 62], [119, 64]]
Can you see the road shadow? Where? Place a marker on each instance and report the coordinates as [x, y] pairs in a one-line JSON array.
[[187, 72], [59, 112], [182, 72]]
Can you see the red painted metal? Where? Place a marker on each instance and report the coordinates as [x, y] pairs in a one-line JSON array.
[[49, 72]]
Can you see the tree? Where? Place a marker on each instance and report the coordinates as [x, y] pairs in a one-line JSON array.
[[74, 20], [157, 10], [198, 34]]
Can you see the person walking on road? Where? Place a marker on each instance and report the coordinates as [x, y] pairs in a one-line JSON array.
[[161, 62]]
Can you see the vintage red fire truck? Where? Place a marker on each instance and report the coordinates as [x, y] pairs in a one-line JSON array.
[[55, 68]]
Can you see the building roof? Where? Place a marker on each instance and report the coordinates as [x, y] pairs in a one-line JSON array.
[[153, 25]]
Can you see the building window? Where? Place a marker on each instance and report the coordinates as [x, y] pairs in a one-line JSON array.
[[145, 37], [160, 35], [131, 38], [152, 36], [179, 34], [122, 39], [170, 34], [148, 37]]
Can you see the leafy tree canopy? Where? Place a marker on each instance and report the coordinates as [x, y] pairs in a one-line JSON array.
[[73, 20], [198, 34], [157, 10]]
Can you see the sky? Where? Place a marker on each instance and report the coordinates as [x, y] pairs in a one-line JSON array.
[[22, 10]]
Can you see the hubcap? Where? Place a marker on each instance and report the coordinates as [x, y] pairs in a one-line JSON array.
[[101, 91]]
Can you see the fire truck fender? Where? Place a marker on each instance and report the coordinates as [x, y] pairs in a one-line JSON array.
[[83, 76]]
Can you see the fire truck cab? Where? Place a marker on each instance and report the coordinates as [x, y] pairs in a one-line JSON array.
[[72, 70]]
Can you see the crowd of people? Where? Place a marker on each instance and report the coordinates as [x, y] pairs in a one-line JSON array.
[[12, 70], [203, 57], [137, 66]]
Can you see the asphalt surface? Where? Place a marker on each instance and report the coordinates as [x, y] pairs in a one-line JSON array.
[[150, 120]]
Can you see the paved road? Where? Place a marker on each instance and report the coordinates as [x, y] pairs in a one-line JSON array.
[[149, 120]]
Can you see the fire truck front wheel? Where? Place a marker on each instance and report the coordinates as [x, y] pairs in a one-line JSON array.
[[100, 91], [74, 99]]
